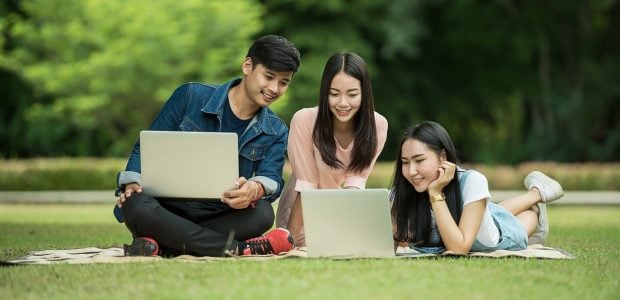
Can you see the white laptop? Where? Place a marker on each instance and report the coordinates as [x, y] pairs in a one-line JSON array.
[[182, 164], [347, 223]]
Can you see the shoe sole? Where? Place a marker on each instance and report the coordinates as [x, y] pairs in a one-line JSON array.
[[542, 228], [140, 247]]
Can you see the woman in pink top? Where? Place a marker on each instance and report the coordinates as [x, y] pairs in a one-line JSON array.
[[336, 144]]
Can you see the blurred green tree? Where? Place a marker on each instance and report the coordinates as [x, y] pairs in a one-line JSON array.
[[517, 81], [511, 81], [109, 65], [320, 28]]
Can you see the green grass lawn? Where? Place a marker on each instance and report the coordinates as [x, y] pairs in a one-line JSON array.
[[592, 234]]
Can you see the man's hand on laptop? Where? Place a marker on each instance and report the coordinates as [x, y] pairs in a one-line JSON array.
[[243, 195], [129, 189]]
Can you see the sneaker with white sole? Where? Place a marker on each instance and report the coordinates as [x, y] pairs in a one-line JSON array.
[[549, 189], [275, 242], [542, 229]]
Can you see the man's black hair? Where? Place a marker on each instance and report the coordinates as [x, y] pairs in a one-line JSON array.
[[275, 53]]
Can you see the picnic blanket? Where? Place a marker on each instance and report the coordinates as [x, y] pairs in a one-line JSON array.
[[94, 255]]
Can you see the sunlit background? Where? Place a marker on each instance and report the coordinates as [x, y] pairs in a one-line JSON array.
[[512, 81]]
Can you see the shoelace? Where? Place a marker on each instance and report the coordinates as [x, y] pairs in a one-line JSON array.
[[260, 245]]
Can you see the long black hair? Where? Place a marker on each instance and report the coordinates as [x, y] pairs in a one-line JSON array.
[[364, 120], [411, 211]]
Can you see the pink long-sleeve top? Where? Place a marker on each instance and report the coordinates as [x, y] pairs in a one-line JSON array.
[[309, 170]]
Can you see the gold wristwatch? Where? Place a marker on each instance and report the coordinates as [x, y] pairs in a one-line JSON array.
[[438, 197]]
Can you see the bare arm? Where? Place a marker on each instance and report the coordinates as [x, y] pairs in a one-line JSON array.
[[456, 237], [459, 238]]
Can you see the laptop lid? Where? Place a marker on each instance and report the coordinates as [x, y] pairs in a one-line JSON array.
[[347, 223], [182, 164]]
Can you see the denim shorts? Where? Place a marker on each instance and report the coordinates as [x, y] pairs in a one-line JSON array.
[[512, 234]]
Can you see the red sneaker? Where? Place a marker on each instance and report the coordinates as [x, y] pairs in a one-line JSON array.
[[142, 246], [275, 242]]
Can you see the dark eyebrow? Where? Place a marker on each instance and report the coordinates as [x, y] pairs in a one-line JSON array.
[[413, 157], [349, 90]]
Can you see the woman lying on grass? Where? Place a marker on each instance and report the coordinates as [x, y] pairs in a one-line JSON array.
[[433, 209]]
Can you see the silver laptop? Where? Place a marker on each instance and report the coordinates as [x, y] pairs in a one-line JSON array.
[[183, 164], [347, 223]]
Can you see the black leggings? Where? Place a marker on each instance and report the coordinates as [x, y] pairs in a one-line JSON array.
[[200, 228]]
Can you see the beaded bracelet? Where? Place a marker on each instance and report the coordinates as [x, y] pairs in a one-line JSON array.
[[259, 194]]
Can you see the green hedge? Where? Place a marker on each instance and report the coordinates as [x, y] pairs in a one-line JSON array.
[[60, 174], [572, 176], [100, 174]]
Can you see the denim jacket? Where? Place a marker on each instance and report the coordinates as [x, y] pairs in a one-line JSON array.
[[199, 107]]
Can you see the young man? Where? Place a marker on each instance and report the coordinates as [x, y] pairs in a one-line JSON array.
[[232, 227]]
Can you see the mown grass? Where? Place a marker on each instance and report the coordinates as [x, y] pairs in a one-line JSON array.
[[592, 234], [100, 174]]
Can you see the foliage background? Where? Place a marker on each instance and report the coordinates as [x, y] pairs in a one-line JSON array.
[[512, 81]]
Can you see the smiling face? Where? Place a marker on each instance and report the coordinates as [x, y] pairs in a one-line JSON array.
[[420, 164], [345, 97], [264, 86]]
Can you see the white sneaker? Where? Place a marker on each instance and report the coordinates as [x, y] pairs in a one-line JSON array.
[[549, 189], [542, 229]]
